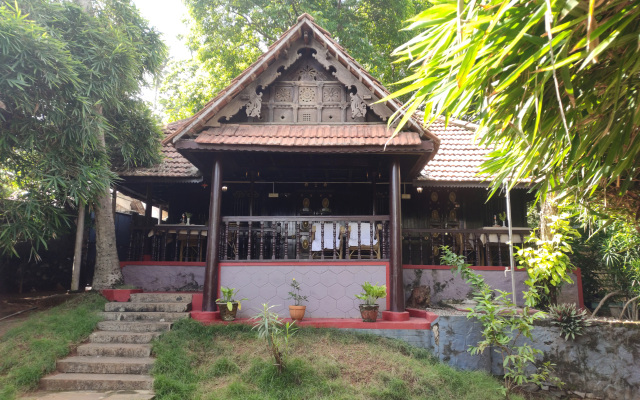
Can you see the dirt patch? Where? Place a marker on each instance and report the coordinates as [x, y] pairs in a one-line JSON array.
[[16, 308]]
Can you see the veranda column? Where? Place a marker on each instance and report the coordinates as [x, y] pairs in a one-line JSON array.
[[147, 221], [211, 272], [396, 289]]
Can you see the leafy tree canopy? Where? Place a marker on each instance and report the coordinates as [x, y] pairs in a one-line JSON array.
[[554, 85], [68, 79], [228, 35]]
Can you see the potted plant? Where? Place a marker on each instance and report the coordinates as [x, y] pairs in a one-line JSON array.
[[296, 311], [503, 218], [370, 295], [227, 305]]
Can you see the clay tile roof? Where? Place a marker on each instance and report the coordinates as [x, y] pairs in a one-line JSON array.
[[173, 165], [306, 135], [459, 157], [193, 124]]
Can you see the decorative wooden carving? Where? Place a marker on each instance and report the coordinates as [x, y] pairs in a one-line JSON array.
[[306, 85], [307, 94], [254, 105], [358, 106], [283, 94], [331, 94]]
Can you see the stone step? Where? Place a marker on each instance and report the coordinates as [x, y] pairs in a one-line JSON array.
[[147, 307], [114, 350], [75, 381], [91, 395], [144, 316], [105, 365], [123, 337], [134, 326], [160, 298]]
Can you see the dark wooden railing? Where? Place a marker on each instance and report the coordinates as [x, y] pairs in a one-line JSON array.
[[269, 238], [336, 237], [488, 246]]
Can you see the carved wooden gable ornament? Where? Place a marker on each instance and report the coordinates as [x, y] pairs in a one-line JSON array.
[[304, 78], [303, 88]]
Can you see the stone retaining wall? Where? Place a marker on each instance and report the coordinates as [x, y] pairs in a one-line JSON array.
[[605, 361]]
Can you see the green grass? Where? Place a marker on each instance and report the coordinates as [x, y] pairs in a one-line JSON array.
[[29, 351], [229, 362]]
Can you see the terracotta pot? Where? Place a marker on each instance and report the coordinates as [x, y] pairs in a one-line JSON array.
[[297, 312], [120, 295], [225, 313], [369, 312]]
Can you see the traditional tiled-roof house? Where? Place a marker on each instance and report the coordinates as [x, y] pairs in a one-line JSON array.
[[289, 172]]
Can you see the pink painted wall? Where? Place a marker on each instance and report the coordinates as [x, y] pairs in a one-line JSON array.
[[445, 286]]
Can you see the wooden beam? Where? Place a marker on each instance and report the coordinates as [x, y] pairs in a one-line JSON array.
[[212, 269], [396, 284]]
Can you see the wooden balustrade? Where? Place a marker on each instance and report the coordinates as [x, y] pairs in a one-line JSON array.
[[321, 238], [270, 238], [488, 246]]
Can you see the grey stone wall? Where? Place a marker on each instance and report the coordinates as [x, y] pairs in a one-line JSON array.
[[604, 361], [164, 278]]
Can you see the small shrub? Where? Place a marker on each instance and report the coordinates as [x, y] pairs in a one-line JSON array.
[[276, 333], [295, 293], [570, 320]]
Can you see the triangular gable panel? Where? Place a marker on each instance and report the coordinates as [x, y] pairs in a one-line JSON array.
[[308, 91], [304, 51]]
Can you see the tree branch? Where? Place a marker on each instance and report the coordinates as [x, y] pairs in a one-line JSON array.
[[602, 302]]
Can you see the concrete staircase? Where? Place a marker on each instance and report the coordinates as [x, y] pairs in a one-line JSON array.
[[117, 356]]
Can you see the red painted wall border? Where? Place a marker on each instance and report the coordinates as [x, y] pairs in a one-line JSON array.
[[477, 268]]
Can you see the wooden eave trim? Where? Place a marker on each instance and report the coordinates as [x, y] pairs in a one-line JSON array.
[[190, 145], [161, 179]]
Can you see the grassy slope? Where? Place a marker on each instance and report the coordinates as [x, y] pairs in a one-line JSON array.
[[29, 351], [229, 362]]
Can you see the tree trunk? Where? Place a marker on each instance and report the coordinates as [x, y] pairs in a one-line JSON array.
[[77, 253], [107, 272], [548, 209]]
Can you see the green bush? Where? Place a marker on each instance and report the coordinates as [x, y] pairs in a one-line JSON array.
[[570, 319]]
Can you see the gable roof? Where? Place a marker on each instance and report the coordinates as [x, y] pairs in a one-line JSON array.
[[305, 21], [459, 156]]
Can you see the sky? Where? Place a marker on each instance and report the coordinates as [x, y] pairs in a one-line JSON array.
[[167, 17]]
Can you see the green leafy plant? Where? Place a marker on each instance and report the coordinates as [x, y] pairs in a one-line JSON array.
[[502, 216], [503, 325], [570, 319], [276, 333], [228, 297], [547, 262], [371, 293], [295, 293]]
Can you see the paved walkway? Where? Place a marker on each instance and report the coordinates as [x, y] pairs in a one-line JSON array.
[[92, 395]]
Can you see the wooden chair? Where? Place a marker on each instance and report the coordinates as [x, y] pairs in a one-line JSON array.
[[365, 244], [317, 248]]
